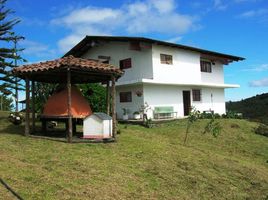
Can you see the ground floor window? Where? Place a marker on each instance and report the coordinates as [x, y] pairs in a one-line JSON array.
[[196, 94], [125, 97]]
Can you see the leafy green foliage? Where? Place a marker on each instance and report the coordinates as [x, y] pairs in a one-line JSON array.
[[253, 108], [213, 127], [262, 129], [5, 103], [96, 96], [9, 55], [43, 91], [194, 115]]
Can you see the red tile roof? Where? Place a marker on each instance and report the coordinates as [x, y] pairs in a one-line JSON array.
[[68, 62]]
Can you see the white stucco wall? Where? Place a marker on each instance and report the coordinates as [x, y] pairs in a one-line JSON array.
[[166, 95], [211, 99], [216, 76], [133, 106], [141, 60], [185, 68]]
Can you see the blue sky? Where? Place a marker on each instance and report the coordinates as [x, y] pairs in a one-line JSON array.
[[238, 27]]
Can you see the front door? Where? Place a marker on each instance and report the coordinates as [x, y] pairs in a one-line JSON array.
[[186, 102]]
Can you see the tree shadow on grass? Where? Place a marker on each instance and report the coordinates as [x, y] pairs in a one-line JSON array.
[[6, 127]]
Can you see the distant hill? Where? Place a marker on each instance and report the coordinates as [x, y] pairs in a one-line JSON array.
[[254, 107]]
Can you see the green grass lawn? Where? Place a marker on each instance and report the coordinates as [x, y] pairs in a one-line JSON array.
[[142, 164]]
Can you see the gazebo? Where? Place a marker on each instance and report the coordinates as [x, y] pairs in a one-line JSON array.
[[68, 70]]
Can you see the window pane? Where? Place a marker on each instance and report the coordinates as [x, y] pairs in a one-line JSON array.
[[205, 66], [125, 97], [196, 95], [166, 59], [125, 64]]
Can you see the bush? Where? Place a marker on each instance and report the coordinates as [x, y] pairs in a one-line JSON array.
[[262, 129], [206, 115], [232, 115]]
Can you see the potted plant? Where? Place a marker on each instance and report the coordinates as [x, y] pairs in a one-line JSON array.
[[125, 114], [136, 115]]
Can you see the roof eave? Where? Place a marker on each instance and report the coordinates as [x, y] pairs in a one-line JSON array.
[[84, 45]]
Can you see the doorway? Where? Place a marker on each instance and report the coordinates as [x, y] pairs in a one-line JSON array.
[[186, 102]]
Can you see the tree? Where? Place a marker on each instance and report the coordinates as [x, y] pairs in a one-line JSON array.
[[5, 103], [43, 92], [96, 96], [9, 55]]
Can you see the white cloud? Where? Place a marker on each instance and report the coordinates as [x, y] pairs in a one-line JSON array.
[[174, 39], [140, 17], [89, 15], [164, 6], [260, 68], [254, 13], [37, 49], [219, 5], [259, 83]]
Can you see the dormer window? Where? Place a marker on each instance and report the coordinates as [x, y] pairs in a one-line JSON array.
[[205, 66], [166, 59], [125, 64]]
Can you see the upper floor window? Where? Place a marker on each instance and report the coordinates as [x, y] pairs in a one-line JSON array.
[[205, 66], [125, 64], [166, 59], [125, 97], [196, 95]]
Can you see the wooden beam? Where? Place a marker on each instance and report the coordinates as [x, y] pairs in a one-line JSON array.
[[113, 107], [108, 97], [69, 103], [33, 106], [27, 114]]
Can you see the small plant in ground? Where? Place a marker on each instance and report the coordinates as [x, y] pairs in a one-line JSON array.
[[213, 127], [193, 116]]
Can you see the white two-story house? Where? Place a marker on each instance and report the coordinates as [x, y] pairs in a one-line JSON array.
[[169, 78]]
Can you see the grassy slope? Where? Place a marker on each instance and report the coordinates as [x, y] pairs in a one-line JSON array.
[[143, 164]]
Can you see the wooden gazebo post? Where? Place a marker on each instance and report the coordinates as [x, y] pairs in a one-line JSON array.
[[108, 97], [69, 103], [113, 106], [33, 106], [27, 113]]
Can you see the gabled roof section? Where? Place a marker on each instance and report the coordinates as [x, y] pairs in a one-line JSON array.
[[89, 41]]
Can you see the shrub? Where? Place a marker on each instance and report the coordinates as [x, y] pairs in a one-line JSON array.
[[262, 129], [232, 115], [206, 115]]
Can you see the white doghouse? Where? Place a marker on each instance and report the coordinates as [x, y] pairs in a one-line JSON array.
[[97, 125]]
